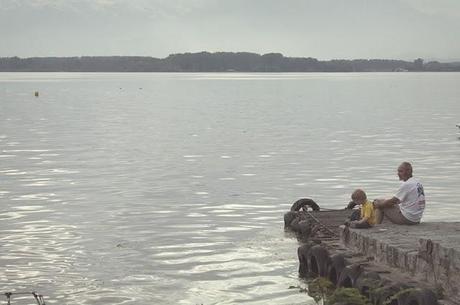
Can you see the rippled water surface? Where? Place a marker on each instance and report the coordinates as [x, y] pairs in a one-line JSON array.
[[171, 188]]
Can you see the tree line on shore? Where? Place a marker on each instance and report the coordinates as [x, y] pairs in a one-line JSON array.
[[216, 62]]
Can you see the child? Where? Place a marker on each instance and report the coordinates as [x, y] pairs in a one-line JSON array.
[[367, 215]]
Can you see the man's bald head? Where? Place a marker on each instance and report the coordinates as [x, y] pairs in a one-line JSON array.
[[405, 171]]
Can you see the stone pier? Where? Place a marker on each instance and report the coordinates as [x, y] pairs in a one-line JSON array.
[[428, 252]]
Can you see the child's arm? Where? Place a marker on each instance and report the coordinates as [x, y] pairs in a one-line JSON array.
[[367, 214], [361, 221]]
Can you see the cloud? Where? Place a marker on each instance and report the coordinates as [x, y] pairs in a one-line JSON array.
[[164, 7], [319, 28], [450, 8]]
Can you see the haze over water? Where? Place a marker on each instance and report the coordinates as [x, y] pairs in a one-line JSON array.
[[171, 188]]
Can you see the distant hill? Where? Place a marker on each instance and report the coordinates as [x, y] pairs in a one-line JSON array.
[[215, 62]]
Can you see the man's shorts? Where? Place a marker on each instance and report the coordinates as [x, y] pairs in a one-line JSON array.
[[394, 215]]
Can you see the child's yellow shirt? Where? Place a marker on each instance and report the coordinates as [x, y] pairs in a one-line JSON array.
[[367, 212]]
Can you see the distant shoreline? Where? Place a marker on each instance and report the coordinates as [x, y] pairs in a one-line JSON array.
[[224, 72], [229, 62]]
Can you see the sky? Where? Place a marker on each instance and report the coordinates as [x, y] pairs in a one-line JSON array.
[[324, 29]]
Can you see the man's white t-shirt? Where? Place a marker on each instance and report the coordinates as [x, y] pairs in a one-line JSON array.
[[412, 199]]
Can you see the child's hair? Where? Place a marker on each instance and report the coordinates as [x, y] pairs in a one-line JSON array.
[[358, 194]]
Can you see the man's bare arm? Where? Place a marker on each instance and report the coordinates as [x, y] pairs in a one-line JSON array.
[[386, 203]]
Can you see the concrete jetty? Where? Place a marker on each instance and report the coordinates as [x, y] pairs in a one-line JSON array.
[[428, 252], [390, 264]]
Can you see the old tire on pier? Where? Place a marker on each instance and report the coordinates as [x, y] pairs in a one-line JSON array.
[[417, 297], [318, 261], [304, 203], [302, 253], [349, 275], [336, 266]]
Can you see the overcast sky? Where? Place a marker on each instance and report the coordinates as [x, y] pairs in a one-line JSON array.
[[324, 29]]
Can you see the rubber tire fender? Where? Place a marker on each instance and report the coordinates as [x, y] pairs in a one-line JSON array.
[[418, 297], [349, 275], [318, 261], [336, 266], [302, 253], [296, 206]]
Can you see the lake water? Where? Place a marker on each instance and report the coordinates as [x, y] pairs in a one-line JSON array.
[[171, 188]]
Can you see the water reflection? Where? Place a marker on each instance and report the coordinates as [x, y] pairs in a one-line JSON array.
[[175, 194]]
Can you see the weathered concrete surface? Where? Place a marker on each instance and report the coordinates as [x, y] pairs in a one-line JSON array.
[[428, 252]]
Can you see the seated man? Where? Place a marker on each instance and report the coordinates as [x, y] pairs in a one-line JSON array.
[[407, 205]]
